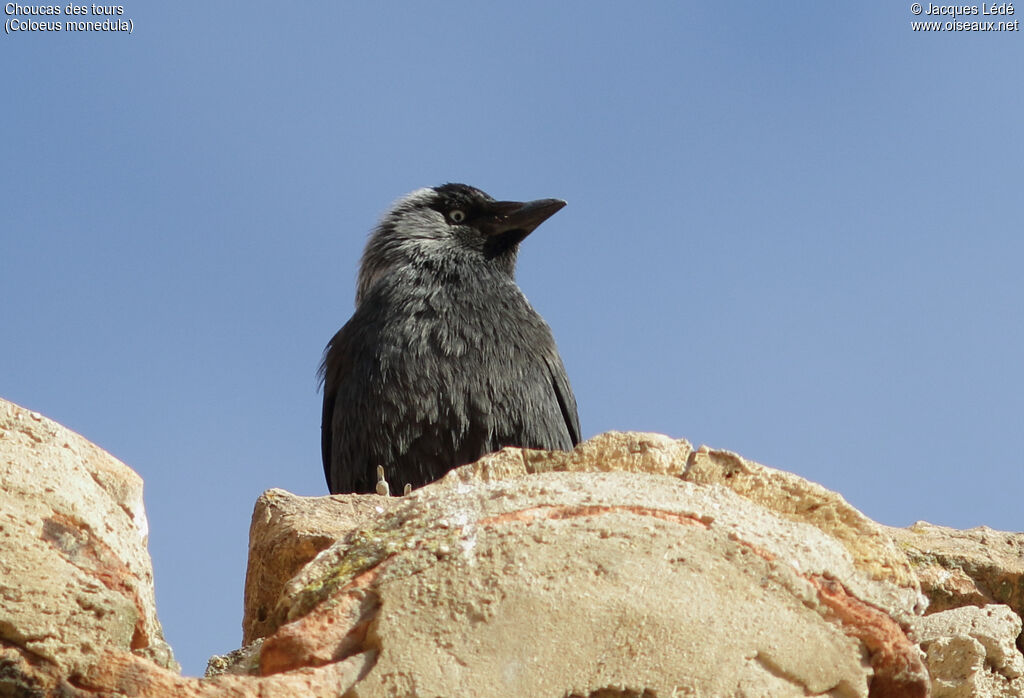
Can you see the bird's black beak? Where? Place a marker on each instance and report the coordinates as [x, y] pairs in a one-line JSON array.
[[524, 216], [512, 221]]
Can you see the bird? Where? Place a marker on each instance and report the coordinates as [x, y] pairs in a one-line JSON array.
[[444, 359]]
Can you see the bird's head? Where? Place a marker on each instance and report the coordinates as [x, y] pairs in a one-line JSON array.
[[449, 225]]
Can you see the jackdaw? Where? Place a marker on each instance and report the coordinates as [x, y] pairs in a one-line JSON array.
[[444, 359]]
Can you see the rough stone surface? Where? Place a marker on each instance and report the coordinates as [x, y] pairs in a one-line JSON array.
[[240, 662], [126, 675], [487, 588], [972, 652], [975, 567], [287, 531], [75, 574], [631, 566], [798, 499], [614, 451], [786, 494]]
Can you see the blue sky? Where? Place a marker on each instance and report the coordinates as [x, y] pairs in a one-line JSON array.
[[793, 231]]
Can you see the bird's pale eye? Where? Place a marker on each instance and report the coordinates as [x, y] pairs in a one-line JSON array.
[[456, 215]]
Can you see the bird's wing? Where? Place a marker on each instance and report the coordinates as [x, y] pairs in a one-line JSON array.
[[331, 368], [566, 399], [326, 436]]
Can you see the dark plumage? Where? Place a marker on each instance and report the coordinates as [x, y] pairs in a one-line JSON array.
[[444, 359]]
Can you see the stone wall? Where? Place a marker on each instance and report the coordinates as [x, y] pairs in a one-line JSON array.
[[632, 566]]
